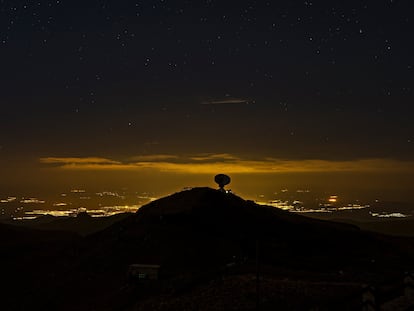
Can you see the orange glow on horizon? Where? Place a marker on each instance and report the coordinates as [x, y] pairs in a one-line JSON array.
[[211, 164]]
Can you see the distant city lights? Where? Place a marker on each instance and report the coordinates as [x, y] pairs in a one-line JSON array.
[[107, 203], [389, 215], [333, 199]]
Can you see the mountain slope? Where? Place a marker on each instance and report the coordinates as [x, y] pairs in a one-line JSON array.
[[196, 235], [203, 226]]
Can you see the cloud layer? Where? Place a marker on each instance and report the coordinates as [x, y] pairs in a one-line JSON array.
[[226, 163], [227, 101]]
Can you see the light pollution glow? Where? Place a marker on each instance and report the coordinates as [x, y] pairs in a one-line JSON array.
[[213, 163]]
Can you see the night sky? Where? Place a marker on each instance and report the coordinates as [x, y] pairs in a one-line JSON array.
[[181, 90]]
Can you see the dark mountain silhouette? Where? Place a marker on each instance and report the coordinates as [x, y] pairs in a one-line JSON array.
[[30, 260], [206, 227], [207, 243]]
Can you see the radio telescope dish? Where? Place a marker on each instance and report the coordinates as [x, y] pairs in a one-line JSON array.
[[222, 180]]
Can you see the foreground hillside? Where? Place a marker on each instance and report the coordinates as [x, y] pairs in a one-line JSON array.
[[209, 245]]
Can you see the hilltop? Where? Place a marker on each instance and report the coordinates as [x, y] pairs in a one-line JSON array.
[[201, 225], [201, 236]]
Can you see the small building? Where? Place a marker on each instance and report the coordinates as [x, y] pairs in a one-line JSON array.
[[144, 272]]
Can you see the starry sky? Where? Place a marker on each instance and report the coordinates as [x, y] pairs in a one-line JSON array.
[[157, 88]]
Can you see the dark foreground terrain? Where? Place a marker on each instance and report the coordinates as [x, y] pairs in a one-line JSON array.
[[209, 246]]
